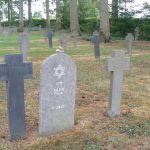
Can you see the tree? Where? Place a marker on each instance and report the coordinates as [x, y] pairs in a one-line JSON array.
[[47, 15], [30, 11], [21, 23], [123, 9], [114, 9], [58, 14], [104, 21], [74, 22]]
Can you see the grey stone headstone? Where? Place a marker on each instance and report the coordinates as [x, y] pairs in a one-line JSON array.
[[5, 33], [137, 31], [64, 41], [50, 38], [75, 38], [24, 42], [57, 94], [96, 42], [129, 39], [116, 66], [14, 71], [14, 29]]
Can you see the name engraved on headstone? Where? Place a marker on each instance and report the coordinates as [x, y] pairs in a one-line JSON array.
[[57, 94]]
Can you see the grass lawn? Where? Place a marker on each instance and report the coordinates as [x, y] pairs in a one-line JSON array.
[[93, 130]]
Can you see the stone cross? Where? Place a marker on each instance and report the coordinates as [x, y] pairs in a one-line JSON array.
[[75, 38], [57, 94], [14, 71], [137, 31], [24, 41], [129, 39], [116, 65], [64, 41], [50, 38], [96, 41]]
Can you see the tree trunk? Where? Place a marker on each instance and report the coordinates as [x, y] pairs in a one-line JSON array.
[[11, 12], [58, 15], [114, 9], [30, 12], [47, 15], [74, 22], [104, 21], [21, 23], [9, 15]]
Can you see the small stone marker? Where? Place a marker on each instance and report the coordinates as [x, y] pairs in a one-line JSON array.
[[96, 41], [130, 39], [116, 66], [57, 94], [75, 38], [24, 41], [50, 38], [137, 31], [14, 71], [64, 41]]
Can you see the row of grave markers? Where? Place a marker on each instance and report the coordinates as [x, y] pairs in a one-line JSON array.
[[57, 91], [24, 40]]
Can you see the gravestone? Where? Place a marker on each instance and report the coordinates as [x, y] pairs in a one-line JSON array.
[[1, 29], [116, 65], [24, 42], [64, 41], [129, 39], [40, 27], [14, 71], [57, 94], [75, 38], [137, 31], [5, 33], [96, 42], [50, 38], [14, 29]]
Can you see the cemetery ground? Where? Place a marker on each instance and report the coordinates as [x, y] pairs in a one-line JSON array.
[[93, 129]]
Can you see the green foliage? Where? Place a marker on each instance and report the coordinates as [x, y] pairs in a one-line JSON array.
[[87, 37], [120, 27], [89, 25], [65, 14], [146, 31]]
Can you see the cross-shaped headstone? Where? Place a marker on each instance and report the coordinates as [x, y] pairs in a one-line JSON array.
[[96, 41], [137, 31], [64, 41], [116, 65], [130, 39], [50, 38], [24, 41], [75, 38], [14, 71]]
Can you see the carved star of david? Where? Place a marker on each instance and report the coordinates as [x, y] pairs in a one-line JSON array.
[[59, 71]]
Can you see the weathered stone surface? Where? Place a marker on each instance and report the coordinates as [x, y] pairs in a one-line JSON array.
[[137, 32], [50, 38], [64, 41], [14, 71], [116, 65], [57, 94], [24, 41], [75, 38], [96, 42], [129, 39]]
